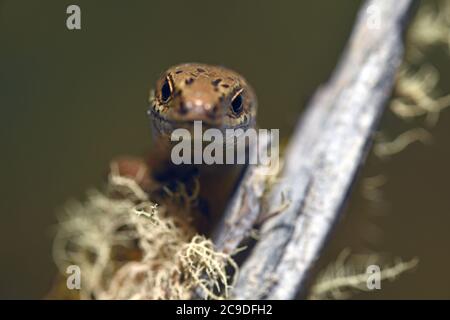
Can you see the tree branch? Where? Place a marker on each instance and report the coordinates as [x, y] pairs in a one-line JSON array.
[[328, 145]]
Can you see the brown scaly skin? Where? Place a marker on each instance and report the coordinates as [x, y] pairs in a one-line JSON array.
[[217, 96]]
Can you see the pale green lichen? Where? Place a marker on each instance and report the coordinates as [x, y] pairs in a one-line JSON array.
[[416, 92], [127, 247], [348, 275]]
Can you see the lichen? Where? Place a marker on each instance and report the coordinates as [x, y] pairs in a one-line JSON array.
[[348, 274], [128, 247], [416, 93]]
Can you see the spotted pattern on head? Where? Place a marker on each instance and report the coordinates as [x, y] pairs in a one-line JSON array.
[[218, 96]]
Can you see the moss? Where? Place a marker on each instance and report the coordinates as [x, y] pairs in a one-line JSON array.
[[128, 247]]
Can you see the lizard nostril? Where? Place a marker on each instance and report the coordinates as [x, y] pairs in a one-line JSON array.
[[213, 111], [182, 109]]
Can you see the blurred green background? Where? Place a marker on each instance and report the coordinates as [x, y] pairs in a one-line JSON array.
[[72, 100]]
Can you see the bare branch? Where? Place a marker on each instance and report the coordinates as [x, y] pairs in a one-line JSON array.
[[328, 145]]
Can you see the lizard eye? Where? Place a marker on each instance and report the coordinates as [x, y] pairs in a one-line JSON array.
[[236, 103], [166, 91]]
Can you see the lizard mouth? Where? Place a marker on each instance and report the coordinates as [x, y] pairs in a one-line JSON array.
[[165, 125]]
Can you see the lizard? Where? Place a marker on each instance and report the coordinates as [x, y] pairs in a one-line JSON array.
[[218, 97]]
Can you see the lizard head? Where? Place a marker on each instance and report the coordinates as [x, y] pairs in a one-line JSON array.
[[217, 96]]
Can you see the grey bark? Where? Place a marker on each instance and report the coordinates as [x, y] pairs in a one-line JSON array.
[[328, 145]]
